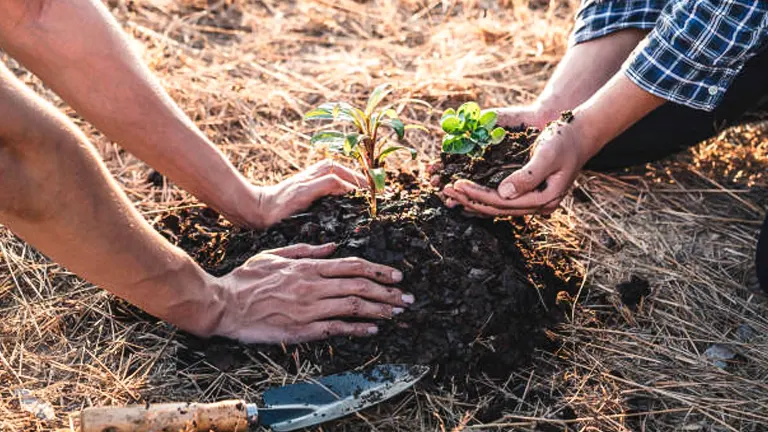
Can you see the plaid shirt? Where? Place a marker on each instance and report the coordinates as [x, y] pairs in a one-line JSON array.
[[694, 50]]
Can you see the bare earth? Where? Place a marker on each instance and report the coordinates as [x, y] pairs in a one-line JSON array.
[[246, 70]]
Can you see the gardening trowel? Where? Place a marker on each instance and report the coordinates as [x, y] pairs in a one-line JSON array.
[[285, 408]]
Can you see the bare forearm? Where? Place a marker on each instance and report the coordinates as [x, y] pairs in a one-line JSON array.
[[612, 110], [585, 68], [56, 194], [76, 47]]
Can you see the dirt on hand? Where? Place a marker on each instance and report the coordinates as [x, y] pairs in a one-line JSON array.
[[498, 162], [484, 295]]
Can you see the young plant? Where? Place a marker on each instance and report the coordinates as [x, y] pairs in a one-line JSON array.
[[366, 143], [469, 130]]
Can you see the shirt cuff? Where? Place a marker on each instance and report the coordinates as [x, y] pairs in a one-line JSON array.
[[660, 69]]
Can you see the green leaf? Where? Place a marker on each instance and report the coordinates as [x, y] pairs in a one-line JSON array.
[[327, 137], [379, 177], [471, 110], [497, 135], [415, 126], [350, 144], [450, 112], [387, 151], [378, 94], [451, 125], [344, 112], [318, 114], [457, 144], [396, 125], [488, 120], [481, 136], [391, 113]]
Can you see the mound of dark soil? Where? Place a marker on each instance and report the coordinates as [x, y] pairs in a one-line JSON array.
[[484, 295], [495, 165]]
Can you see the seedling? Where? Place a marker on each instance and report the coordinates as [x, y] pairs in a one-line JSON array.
[[366, 144], [469, 130]]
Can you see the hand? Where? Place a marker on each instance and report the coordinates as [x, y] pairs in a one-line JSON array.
[[271, 204], [538, 187], [292, 295], [535, 115]]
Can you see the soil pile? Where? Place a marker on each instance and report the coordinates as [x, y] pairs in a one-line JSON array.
[[495, 165], [483, 294]]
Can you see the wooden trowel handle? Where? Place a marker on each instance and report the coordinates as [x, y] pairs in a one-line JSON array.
[[226, 416]]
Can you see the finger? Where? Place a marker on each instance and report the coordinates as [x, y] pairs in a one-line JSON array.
[[549, 209], [358, 267], [529, 177], [352, 307], [435, 167], [329, 167], [479, 193], [451, 203], [435, 180], [324, 329], [329, 184], [367, 289], [304, 251], [557, 187], [484, 209]]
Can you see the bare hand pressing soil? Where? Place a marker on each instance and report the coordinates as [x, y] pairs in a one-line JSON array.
[[483, 294], [498, 161]]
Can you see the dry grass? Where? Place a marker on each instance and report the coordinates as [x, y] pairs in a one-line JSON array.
[[246, 70]]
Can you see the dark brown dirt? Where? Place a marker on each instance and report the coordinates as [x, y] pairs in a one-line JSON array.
[[633, 291], [484, 295], [497, 163]]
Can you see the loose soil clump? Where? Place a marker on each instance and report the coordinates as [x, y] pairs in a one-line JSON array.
[[484, 294], [633, 291], [495, 165]]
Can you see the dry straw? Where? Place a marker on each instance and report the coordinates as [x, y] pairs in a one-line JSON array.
[[245, 71]]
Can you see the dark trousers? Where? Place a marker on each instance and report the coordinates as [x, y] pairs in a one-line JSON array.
[[672, 128]]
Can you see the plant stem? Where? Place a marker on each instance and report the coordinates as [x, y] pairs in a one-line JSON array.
[[369, 163]]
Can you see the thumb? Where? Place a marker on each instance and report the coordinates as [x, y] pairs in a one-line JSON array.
[[329, 184], [524, 180], [304, 251]]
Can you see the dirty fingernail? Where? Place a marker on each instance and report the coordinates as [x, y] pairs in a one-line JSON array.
[[373, 330], [507, 190], [408, 298], [397, 275], [397, 311]]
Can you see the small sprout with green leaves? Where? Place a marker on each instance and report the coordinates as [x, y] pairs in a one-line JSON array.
[[469, 130], [366, 142]]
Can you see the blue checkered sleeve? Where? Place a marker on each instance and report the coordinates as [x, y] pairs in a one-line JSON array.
[[600, 18], [695, 49]]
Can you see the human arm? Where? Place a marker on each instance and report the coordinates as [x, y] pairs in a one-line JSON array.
[[691, 57], [582, 71], [559, 153], [77, 48], [56, 194]]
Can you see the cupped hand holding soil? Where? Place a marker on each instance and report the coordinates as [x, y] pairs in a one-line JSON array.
[[529, 172]]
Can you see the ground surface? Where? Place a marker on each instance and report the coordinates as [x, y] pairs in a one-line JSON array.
[[245, 71], [484, 296]]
